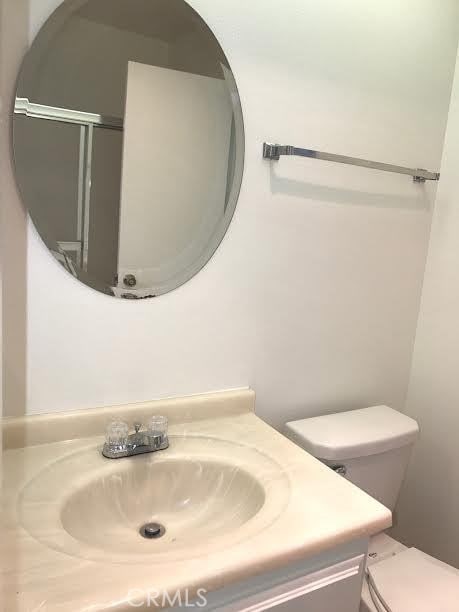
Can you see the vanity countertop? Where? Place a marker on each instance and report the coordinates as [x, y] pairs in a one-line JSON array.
[[316, 510]]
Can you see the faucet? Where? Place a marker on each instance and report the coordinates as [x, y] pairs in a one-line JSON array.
[[120, 443]]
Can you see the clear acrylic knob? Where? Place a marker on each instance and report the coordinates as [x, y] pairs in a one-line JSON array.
[[157, 431], [158, 426], [116, 435]]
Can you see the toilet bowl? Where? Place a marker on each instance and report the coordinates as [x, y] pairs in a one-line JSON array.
[[371, 447]]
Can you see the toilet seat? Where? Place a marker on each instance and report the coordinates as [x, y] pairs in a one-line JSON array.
[[409, 580]]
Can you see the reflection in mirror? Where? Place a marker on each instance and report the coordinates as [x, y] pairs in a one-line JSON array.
[[128, 142]]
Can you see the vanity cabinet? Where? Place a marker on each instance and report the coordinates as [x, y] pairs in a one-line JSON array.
[[329, 582], [333, 588]]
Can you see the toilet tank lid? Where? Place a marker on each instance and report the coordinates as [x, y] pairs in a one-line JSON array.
[[355, 433]]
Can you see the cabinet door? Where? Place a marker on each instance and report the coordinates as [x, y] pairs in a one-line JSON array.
[[327, 590]]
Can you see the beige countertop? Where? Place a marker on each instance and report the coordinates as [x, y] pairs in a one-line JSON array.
[[309, 509]]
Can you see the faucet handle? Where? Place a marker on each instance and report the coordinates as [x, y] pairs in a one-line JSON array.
[[157, 431], [158, 425], [116, 435]]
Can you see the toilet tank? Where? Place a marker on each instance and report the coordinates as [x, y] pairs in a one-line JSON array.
[[371, 447]]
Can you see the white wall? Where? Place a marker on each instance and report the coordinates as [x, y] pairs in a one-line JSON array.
[[2, 123], [312, 297], [13, 237], [429, 505]]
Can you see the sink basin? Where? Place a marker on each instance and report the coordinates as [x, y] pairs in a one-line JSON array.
[[191, 499], [201, 489]]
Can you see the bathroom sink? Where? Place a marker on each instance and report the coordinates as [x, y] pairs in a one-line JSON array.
[[192, 499], [201, 490]]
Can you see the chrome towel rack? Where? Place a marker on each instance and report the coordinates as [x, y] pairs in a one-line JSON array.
[[274, 151]]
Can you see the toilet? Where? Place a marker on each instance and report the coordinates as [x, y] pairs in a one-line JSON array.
[[371, 447]]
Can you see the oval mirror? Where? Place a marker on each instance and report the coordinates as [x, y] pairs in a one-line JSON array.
[[128, 142]]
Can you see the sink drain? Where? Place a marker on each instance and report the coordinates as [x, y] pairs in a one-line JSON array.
[[152, 531]]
